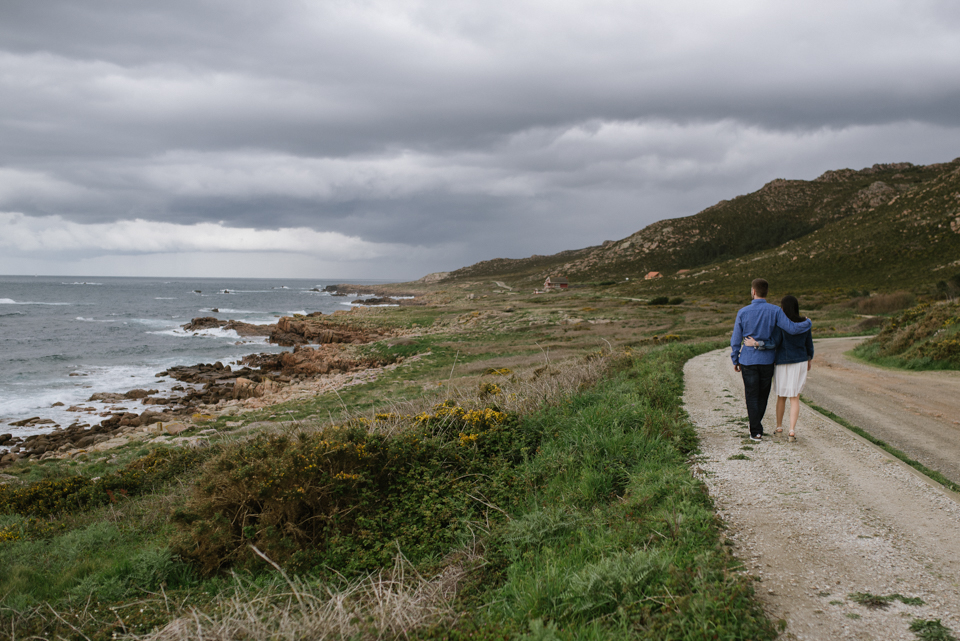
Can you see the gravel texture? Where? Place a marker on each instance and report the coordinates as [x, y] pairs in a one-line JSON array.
[[825, 517], [916, 412]]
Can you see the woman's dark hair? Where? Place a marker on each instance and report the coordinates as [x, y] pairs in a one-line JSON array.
[[791, 308]]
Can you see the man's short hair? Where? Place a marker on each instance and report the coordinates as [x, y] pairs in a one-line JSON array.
[[760, 287]]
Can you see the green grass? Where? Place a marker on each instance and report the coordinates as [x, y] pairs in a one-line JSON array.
[[585, 515], [925, 337], [882, 601], [920, 467], [931, 630], [618, 539], [99, 559]]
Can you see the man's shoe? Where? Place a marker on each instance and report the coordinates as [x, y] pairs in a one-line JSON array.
[[757, 438]]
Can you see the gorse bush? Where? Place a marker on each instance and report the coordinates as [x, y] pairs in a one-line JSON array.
[[346, 496], [886, 303], [56, 496], [924, 337]]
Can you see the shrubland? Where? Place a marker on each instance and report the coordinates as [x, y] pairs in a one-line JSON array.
[[923, 337], [525, 473]]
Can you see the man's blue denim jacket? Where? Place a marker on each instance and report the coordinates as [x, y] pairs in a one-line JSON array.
[[758, 320]]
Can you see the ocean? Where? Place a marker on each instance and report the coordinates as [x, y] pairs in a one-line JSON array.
[[65, 338]]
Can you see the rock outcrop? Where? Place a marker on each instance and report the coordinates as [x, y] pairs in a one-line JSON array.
[[315, 328], [241, 328]]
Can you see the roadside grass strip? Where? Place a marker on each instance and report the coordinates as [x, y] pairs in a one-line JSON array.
[[920, 467], [618, 540]]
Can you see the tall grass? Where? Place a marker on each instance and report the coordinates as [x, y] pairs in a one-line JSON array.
[[385, 605], [620, 540], [886, 303]]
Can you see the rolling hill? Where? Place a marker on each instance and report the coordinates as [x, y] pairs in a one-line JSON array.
[[883, 227]]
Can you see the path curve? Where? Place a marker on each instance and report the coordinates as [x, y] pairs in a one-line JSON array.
[[916, 412], [825, 517]]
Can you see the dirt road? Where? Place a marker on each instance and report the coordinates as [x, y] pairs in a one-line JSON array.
[[916, 412], [825, 518]]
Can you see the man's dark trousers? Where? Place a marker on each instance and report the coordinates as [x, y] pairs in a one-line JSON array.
[[757, 380]]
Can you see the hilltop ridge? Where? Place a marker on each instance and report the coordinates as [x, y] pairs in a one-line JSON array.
[[879, 206]]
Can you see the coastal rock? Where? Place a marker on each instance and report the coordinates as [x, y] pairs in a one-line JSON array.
[[375, 301], [249, 329], [305, 362], [244, 388], [241, 328], [5, 438], [139, 393], [107, 397], [174, 428], [130, 420], [302, 330], [203, 322]]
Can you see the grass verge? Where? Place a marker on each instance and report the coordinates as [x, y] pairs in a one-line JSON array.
[[617, 539], [920, 467]]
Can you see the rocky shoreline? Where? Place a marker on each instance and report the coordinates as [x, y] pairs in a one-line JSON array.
[[320, 361]]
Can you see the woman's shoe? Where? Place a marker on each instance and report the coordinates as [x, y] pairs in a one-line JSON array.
[[779, 430], [792, 438]]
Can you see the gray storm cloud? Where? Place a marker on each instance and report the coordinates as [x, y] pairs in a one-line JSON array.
[[454, 129]]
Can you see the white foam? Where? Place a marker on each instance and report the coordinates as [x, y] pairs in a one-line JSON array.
[[10, 301], [81, 283], [213, 332], [226, 310], [362, 305], [36, 399]]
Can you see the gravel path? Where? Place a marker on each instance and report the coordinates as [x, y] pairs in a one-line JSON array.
[[916, 412], [825, 517]]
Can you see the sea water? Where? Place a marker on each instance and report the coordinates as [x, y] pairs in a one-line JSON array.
[[63, 339]]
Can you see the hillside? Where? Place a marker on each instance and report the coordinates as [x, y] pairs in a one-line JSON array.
[[893, 225]]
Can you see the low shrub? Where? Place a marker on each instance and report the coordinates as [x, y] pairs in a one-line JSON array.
[[346, 496], [66, 494], [924, 337], [886, 303], [659, 300]]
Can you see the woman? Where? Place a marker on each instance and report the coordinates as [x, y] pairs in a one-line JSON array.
[[793, 360]]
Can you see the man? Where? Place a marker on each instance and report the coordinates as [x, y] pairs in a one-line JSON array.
[[757, 320]]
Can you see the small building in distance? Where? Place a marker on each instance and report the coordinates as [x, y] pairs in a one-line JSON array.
[[652, 275], [555, 282]]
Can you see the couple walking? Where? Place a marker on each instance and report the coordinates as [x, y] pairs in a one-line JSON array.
[[771, 343]]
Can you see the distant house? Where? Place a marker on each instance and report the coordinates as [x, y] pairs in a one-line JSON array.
[[652, 275], [555, 282]]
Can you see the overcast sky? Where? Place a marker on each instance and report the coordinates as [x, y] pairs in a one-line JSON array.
[[342, 139]]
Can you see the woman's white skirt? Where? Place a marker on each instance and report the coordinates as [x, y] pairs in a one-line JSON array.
[[788, 379]]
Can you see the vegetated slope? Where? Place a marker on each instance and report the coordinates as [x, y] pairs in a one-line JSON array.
[[906, 238], [520, 268], [924, 337], [892, 212]]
